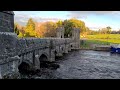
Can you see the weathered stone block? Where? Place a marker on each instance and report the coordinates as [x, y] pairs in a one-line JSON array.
[[8, 44]]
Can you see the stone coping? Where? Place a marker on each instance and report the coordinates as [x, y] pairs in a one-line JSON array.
[[9, 12]]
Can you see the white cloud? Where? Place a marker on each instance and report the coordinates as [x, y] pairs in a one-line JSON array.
[[22, 18]]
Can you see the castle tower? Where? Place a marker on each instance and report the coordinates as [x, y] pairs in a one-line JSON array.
[[60, 32], [76, 37]]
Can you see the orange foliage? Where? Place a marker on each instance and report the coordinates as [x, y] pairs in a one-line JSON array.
[[46, 29]]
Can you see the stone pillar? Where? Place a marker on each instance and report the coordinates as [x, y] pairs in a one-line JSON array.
[[52, 51], [8, 57], [37, 62]]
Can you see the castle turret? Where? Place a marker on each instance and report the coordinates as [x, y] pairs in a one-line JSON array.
[[76, 37], [60, 32]]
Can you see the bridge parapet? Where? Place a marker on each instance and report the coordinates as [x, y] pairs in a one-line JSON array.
[[25, 45]]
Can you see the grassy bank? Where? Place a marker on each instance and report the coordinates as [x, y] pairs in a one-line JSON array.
[[110, 38], [88, 44], [100, 39]]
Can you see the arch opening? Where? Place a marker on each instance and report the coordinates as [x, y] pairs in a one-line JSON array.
[[43, 57], [55, 52], [43, 61], [62, 48], [24, 68]]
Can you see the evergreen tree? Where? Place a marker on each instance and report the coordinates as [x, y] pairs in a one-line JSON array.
[[16, 30]]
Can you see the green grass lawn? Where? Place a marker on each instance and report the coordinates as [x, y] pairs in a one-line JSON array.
[[100, 39], [88, 43], [110, 38], [104, 36]]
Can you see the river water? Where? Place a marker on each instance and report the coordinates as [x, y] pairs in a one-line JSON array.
[[84, 64]]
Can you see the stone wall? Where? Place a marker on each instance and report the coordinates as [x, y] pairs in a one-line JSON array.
[[6, 21]]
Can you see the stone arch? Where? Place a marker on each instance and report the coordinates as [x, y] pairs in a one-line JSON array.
[[43, 60], [25, 67], [43, 57]]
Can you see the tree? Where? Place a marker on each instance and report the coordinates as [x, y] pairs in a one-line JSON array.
[[69, 24], [78, 24], [46, 29], [59, 23], [21, 32], [16, 30], [40, 30], [30, 28], [108, 29], [68, 28], [50, 29]]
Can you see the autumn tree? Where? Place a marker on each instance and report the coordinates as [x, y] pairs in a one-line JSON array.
[[78, 24], [50, 29], [46, 29], [40, 30], [59, 23], [22, 32], [30, 28]]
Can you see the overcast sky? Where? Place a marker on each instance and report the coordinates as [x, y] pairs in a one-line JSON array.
[[92, 19]]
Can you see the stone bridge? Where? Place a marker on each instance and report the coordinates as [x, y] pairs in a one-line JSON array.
[[15, 52]]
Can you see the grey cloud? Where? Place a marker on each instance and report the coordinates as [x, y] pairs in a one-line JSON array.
[[84, 14]]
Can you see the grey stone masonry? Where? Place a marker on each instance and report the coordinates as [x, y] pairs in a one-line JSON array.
[[6, 21]]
